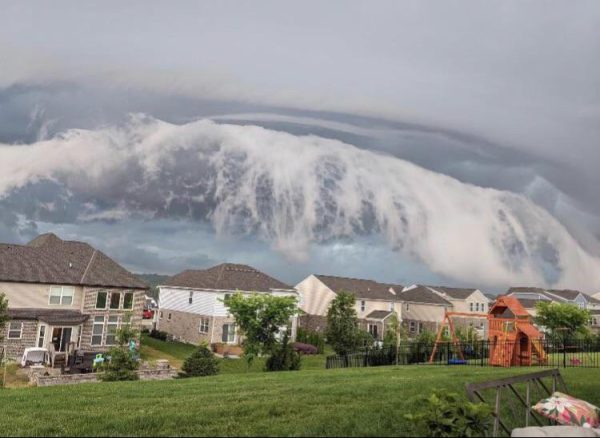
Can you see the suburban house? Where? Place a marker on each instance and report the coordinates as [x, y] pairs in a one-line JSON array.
[[467, 300], [191, 307], [64, 296], [530, 296], [417, 307]]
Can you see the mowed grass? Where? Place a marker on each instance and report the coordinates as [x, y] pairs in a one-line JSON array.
[[176, 352], [357, 402]]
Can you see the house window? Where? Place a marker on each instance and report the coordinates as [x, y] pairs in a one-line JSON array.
[[60, 295], [482, 307], [101, 300], [470, 307], [407, 307], [412, 326], [161, 314], [98, 330], [363, 306], [41, 336], [476, 307], [128, 300], [169, 317], [15, 330], [115, 300], [203, 328], [191, 298], [391, 307], [228, 333], [373, 331], [111, 329]]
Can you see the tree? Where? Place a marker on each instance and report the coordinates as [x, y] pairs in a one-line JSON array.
[[201, 362], [3, 314], [562, 320], [394, 335], [260, 318], [342, 324], [283, 357], [123, 361]]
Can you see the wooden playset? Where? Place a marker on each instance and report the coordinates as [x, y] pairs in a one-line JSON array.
[[513, 339]]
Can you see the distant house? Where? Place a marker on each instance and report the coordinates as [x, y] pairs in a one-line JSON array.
[[467, 300], [530, 296], [191, 308], [417, 307], [65, 295]]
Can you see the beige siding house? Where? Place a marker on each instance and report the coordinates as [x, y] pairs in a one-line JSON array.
[[467, 300], [191, 308], [65, 296]]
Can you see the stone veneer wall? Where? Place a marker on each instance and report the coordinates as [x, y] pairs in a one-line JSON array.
[[89, 308], [184, 327], [16, 347]]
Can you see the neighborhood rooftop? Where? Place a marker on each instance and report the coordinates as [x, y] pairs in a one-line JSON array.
[[422, 294], [454, 292], [50, 260], [552, 294], [369, 289], [227, 276]]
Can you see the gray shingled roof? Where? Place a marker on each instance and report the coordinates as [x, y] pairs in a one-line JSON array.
[[566, 294], [367, 289], [50, 260], [50, 316], [455, 292], [227, 276], [422, 294], [379, 314]]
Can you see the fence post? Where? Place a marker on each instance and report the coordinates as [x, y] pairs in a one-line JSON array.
[[564, 353], [482, 351]]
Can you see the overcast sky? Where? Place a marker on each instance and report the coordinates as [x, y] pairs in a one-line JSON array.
[[402, 141]]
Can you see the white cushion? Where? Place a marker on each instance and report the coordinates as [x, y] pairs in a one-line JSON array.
[[555, 431]]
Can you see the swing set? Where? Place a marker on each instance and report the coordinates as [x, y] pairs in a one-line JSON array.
[[448, 322]]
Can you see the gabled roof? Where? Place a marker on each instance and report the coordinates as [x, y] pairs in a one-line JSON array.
[[379, 315], [511, 303], [454, 292], [554, 294], [422, 294], [367, 289], [227, 276], [48, 259]]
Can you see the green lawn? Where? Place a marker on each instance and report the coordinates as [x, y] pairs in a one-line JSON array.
[[358, 402], [176, 352]]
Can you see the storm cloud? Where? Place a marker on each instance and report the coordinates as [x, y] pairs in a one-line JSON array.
[[496, 106]]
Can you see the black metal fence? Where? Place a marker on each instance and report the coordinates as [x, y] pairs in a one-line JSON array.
[[544, 353]]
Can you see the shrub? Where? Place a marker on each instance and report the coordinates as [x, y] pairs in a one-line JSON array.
[[201, 362], [305, 348], [311, 338], [364, 339], [447, 415], [157, 334], [121, 366], [283, 357]]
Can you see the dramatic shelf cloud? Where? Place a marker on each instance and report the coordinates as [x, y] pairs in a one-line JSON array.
[[409, 142]]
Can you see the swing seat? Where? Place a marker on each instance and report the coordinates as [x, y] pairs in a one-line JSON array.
[[457, 362]]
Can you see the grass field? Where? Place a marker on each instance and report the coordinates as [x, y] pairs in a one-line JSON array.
[[176, 352], [358, 402]]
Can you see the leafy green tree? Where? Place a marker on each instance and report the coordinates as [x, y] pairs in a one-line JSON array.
[[342, 322], [4, 318], [259, 318], [562, 320], [395, 335], [201, 362], [123, 362]]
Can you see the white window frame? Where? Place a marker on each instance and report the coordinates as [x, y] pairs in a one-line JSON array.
[[120, 305], [392, 306], [114, 325], [105, 302], [12, 330], [61, 295], [471, 307], [132, 300], [229, 331], [41, 336], [95, 323], [412, 326], [204, 325]]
